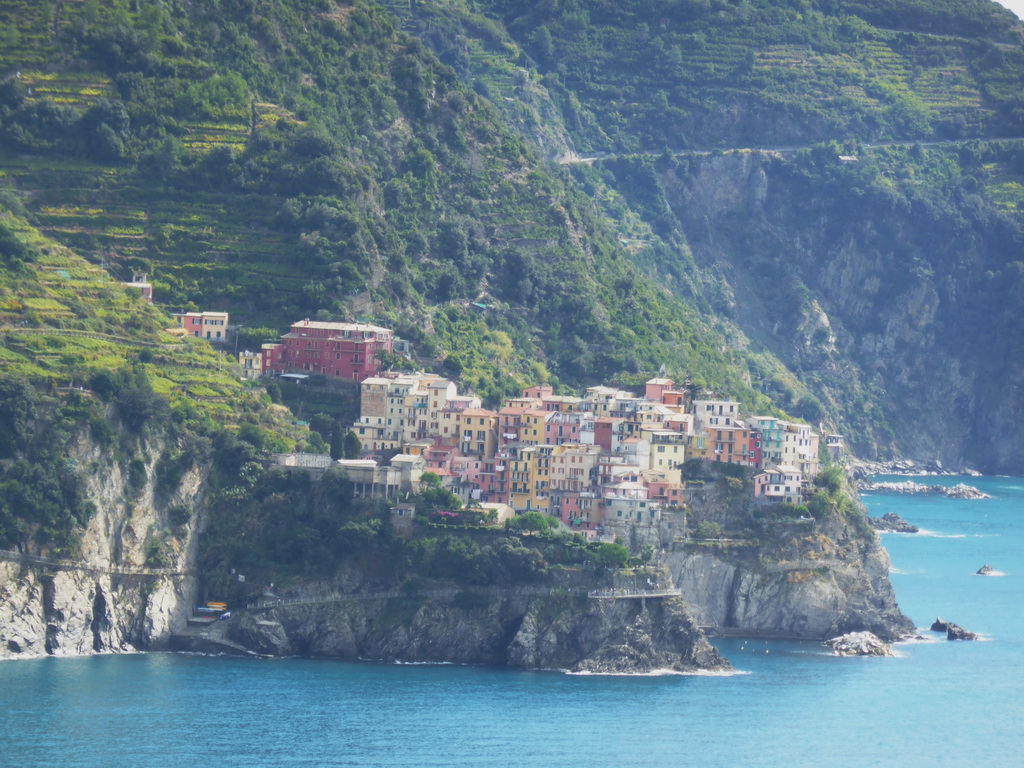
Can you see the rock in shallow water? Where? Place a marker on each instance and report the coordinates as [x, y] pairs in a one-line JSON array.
[[859, 644], [953, 631], [892, 523], [956, 632]]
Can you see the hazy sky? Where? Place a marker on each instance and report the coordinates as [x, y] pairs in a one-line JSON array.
[[1017, 6]]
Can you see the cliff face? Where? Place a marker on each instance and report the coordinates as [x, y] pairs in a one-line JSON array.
[[536, 632], [810, 599], [892, 300], [107, 599], [785, 576]]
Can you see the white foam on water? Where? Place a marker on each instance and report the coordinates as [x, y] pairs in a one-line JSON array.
[[937, 535], [661, 673]]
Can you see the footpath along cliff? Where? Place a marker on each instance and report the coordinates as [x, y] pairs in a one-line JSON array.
[[130, 583], [569, 631], [476, 597]]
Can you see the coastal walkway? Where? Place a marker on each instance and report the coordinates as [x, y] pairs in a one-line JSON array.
[[597, 594], [58, 564]]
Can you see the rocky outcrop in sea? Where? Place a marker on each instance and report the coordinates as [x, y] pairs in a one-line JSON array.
[[958, 491], [953, 631], [859, 644], [890, 522], [862, 469]]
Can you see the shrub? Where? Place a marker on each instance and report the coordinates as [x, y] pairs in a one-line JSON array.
[[707, 529]]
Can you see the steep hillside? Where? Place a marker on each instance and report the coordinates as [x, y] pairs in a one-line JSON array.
[[305, 158], [317, 158], [680, 73], [882, 273]]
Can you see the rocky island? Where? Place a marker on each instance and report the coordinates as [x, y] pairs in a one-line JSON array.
[[958, 491], [858, 644], [890, 522]]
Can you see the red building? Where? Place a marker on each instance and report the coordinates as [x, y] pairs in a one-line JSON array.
[[341, 350]]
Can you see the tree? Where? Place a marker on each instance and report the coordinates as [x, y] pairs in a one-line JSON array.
[[352, 446], [610, 555], [17, 412], [337, 443], [708, 530], [531, 521], [647, 554]]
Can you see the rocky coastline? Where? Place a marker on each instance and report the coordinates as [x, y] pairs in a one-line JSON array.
[[862, 468], [958, 491], [572, 633]]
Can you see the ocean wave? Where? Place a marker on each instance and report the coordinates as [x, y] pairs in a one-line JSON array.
[[921, 637], [937, 535], [991, 573]]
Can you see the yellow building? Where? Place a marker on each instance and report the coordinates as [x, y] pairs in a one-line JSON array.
[[251, 363], [668, 448], [533, 423], [478, 432], [529, 477]]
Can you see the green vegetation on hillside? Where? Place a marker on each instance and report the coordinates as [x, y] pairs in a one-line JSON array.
[[649, 74], [292, 212], [317, 158], [84, 361]]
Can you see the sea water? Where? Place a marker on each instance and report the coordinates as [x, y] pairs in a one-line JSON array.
[[790, 704]]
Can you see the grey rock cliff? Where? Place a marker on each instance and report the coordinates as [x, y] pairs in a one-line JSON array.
[[536, 632], [103, 600]]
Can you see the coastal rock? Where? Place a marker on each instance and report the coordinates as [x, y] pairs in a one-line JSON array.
[[859, 644], [964, 491], [806, 599], [892, 523], [939, 625], [537, 632], [262, 636], [103, 602], [956, 632], [959, 491]]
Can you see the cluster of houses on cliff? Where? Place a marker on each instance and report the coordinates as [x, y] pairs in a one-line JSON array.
[[602, 462]]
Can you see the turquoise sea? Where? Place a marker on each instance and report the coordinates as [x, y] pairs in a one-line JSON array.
[[939, 703]]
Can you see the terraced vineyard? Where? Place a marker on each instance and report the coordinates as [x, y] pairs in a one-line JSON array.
[[64, 320]]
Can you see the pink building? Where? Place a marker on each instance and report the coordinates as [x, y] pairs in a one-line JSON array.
[[654, 388], [212, 326], [340, 350], [538, 391]]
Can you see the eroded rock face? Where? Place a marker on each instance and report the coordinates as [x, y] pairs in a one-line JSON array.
[[68, 611], [806, 599], [573, 633]]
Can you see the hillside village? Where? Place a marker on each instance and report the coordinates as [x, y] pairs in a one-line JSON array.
[[607, 463]]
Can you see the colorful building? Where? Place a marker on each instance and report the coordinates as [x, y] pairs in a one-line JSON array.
[[339, 350], [212, 326]]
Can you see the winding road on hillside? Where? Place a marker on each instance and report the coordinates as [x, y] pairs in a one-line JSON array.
[[588, 158]]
